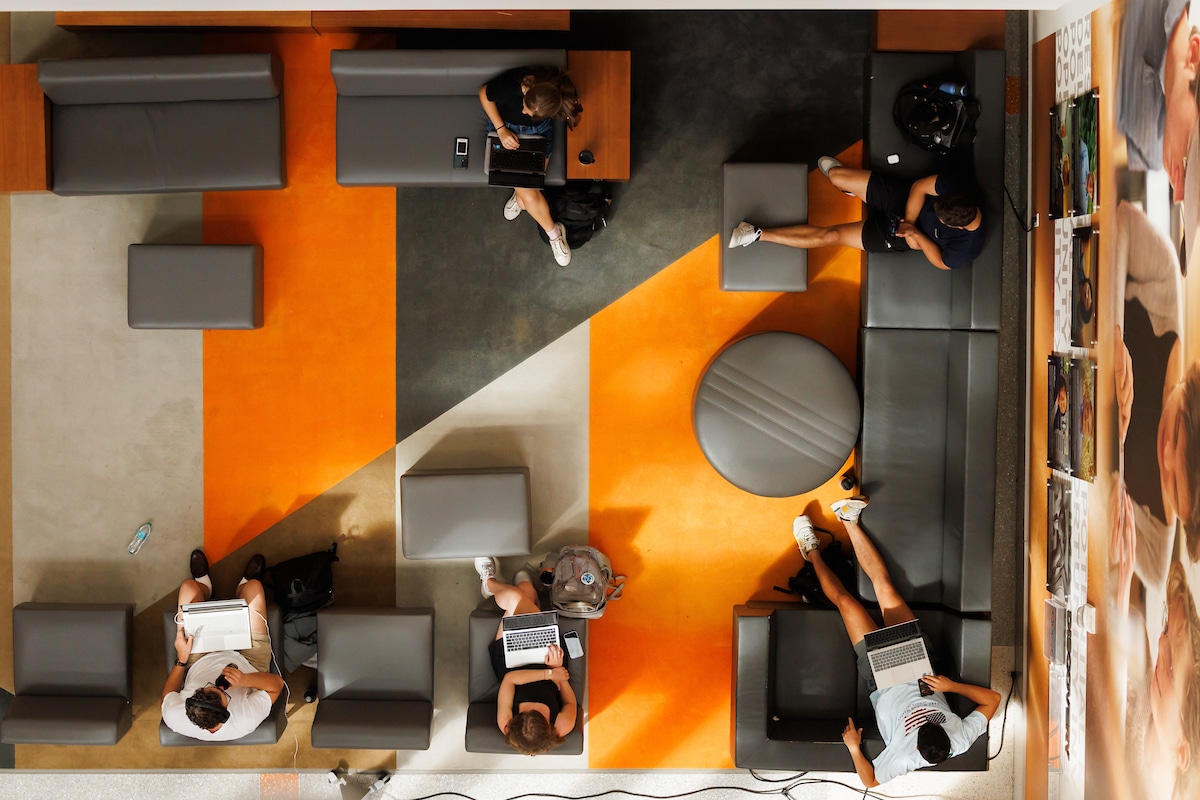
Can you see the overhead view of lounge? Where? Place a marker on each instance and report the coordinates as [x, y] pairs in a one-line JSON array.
[[664, 402]]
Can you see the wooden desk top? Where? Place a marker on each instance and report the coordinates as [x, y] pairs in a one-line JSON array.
[[24, 156], [602, 78]]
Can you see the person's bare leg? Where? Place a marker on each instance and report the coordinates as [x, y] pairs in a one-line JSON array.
[[192, 591], [533, 201], [894, 609], [514, 600], [805, 237], [851, 180], [856, 619], [252, 592]]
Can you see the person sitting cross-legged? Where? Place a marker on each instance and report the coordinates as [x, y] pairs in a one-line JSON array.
[[917, 731]]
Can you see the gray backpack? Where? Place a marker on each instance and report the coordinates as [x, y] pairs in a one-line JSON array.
[[583, 582]]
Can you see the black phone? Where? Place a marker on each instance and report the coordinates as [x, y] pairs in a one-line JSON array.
[[926, 689], [574, 648], [460, 153]]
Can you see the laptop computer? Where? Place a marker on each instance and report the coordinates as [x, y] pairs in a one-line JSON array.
[[217, 625], [524, 167], [527, 637], [897, 654]]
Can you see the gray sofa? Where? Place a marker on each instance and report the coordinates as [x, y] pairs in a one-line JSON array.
[[482, 734], [400, 111], [164, 123], [795, 682]]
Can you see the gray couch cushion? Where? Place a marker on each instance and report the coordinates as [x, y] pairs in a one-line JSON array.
[[926, 459], [201, 286], [394, 73], [767, 195], [160, 79], [903, 290], [66, 720], [372, 724], [465, 513], [482, 735]]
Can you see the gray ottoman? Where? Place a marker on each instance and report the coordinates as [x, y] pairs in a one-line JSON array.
[[195, 286], [768, 195], [465, 513], [776, 414]]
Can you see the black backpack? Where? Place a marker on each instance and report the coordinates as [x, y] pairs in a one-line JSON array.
[[581, 207], [933, 119], [304, 585], [805, 583]]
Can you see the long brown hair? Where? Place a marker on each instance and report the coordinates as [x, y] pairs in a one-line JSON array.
[[531, 733], [551, 94]]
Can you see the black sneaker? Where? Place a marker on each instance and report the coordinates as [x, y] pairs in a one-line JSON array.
[[198, 564]]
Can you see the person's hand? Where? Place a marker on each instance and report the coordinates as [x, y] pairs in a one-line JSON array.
[[1123, 378], [939, 683], [554, 656], [234, 675], [508, 139], [183, 644], [852, 736], [908, 232], [560, 675]]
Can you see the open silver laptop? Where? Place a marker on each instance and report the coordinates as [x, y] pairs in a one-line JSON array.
[[527, 637], [897, 654], [217, 625]]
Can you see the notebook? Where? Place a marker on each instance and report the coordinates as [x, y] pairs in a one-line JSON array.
[[524, 167], [897, 654], [527, 637], [217, 625]]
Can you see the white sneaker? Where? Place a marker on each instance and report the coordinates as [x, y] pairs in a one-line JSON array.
[[559, 246], [744, 234], [826, 163], [511, 209], [848, 510], [806, 537], [486, 567]]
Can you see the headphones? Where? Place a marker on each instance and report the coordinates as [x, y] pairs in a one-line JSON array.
[[204, 702]]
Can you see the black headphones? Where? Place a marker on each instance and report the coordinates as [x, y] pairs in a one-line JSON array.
[[203, 702]]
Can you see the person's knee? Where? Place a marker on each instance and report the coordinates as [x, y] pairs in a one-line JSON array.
[[251, 590]]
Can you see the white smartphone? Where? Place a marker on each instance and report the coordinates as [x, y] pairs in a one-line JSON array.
[[460, 153], [574, 648]]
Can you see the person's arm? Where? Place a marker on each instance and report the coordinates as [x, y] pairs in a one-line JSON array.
[[925, 187], [987, 700], [564, 723], [507, 137], [917, 240], [183, 650], [852, 737], [269, 682]]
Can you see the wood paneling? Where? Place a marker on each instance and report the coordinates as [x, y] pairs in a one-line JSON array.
[[291, 20], [24, 164], [337, 21], [938, 31], [602, 78]]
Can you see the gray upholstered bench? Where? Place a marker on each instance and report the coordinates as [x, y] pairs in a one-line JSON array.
[[195, 286], [768, 195], [465, 513]]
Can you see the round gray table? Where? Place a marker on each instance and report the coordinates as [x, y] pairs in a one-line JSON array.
[[776, 414]]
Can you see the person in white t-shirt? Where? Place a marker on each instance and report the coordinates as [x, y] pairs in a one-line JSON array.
[[223, 695], [917, 731]]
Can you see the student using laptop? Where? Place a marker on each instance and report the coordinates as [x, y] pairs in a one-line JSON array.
[[536, 707], [527, 100], [223, 695], [917, 731]]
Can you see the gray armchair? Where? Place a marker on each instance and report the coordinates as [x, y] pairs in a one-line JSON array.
[[72, 674], [374, 678]]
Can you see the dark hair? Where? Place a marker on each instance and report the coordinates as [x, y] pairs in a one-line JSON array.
[[531, 733], [1084, 310], [1189, 414], [955, 209], [932, 743], [204, 709], [551, 94]]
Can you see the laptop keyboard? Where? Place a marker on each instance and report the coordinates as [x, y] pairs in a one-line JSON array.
[[527, 640], [904, 654], [517, 160]]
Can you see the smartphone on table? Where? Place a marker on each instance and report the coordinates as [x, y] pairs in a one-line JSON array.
[[574, 648]]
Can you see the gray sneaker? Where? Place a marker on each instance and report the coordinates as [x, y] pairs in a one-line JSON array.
[[486, 567], [806, 537], [559, 246], [826, 163], [848, 510], [744, 234]]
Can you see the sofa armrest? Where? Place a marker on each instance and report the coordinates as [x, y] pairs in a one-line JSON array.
[[161, 79], [751, 683], [391, 73]]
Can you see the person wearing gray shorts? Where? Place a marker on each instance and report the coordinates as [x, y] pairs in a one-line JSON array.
[[918, 729]]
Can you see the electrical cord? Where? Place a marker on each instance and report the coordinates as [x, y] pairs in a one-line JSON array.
[[1004, 717], [1020, 215]]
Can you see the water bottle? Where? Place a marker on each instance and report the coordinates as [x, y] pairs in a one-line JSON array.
[[139, 539], [954, 88]]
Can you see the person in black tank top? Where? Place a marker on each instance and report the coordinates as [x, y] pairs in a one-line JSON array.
[[536, 707]]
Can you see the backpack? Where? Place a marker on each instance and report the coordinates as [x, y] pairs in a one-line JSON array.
[[583, 582], [933, 119], [304, 585], [805, 583], [581, 207]]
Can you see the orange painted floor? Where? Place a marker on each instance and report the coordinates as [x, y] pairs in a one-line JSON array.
[[692, 544], [295, 407]]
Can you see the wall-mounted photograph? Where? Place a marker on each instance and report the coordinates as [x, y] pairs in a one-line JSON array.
[[1082, 374], [1058, 535], [1085, 263], [1062, 121], [1058, 448], [1087, 152]]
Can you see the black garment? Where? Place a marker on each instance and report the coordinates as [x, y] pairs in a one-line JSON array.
[[505, 91], [887, 197], [535, 692], [1149, 354]]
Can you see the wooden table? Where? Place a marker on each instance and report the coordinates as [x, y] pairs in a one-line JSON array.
[[602, 78], [24, 151]]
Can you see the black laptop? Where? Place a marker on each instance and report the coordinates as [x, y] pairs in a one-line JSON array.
[[524, 167]]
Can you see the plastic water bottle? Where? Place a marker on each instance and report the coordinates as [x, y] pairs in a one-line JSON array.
[[954, 88], [139, 539]]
